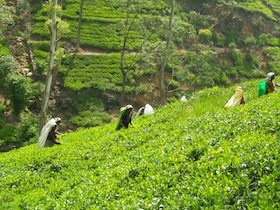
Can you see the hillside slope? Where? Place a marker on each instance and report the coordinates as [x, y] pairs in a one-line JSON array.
[[190, 155], [214, 42]]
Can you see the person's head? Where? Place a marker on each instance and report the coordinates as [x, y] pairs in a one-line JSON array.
[[271, 76], [129, 108], [57, 120], [239, 88]]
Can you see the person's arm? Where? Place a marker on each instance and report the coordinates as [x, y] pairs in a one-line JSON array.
[[271, 87], [130, 118]]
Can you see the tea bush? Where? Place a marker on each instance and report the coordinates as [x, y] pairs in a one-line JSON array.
[[97, 71], [187, 155], [8, 134], [258, 6]]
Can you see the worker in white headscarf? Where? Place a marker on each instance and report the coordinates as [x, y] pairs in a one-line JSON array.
[[49, 133], [269, 80], [237, 98], [125, 117]]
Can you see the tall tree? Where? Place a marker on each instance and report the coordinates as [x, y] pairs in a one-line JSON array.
[[53, 47], [79, 26], [134, 21], [162, 90]]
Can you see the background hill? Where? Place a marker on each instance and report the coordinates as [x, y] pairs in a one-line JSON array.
[[213, 43], [193, 155]]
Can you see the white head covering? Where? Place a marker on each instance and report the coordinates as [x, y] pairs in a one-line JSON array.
[[45, 131], [128, 107], [183, 98], [148, 109], [270, 75]]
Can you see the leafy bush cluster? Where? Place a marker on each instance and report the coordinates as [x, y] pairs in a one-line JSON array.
[[20, 90], [273, 53], [8, 133], [91, 111], [188, 155], [95, 71], [25, 133], [260, 7], [266, 39]]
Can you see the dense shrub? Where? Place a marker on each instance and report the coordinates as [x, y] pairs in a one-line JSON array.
[[8, 134], [273, 53], [19, 90], [237, 58], [28, 128], [250, 62], [7, 65], [91, 118], [257, 6], [250, 41], [3, 108], [4, 48], [218, 39], [90, 110], [97, 71], [266, 39], [232, 36], [204, 35], [232, 45]]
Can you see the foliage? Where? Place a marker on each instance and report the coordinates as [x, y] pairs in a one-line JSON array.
[[90, 110], [3, 108], [28, 128], [273, 53], [7, 65], [204, 35], [8, 134], [5, 18], [250, 41], [91, 118], [198, 20], [98, 71], [199, 68], [4, 47], [231, 36], [266, 39], [188, 155], [102, 31], [258, 6], [19, 91]]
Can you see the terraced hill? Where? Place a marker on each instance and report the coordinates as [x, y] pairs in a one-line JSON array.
[[214, 43], [188, 155]]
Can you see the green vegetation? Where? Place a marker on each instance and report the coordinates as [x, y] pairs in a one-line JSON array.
[[90, 109], [273, 53], [260, 7], [98, 71], [211, 43], [188, 155], [103, 28], [19, 90]]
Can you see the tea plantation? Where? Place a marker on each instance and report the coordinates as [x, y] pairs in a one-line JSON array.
[[188, 155]]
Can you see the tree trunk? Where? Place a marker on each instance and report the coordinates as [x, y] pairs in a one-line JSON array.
[[79, 26], [125, 37], [48, 84], [163, 94]]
